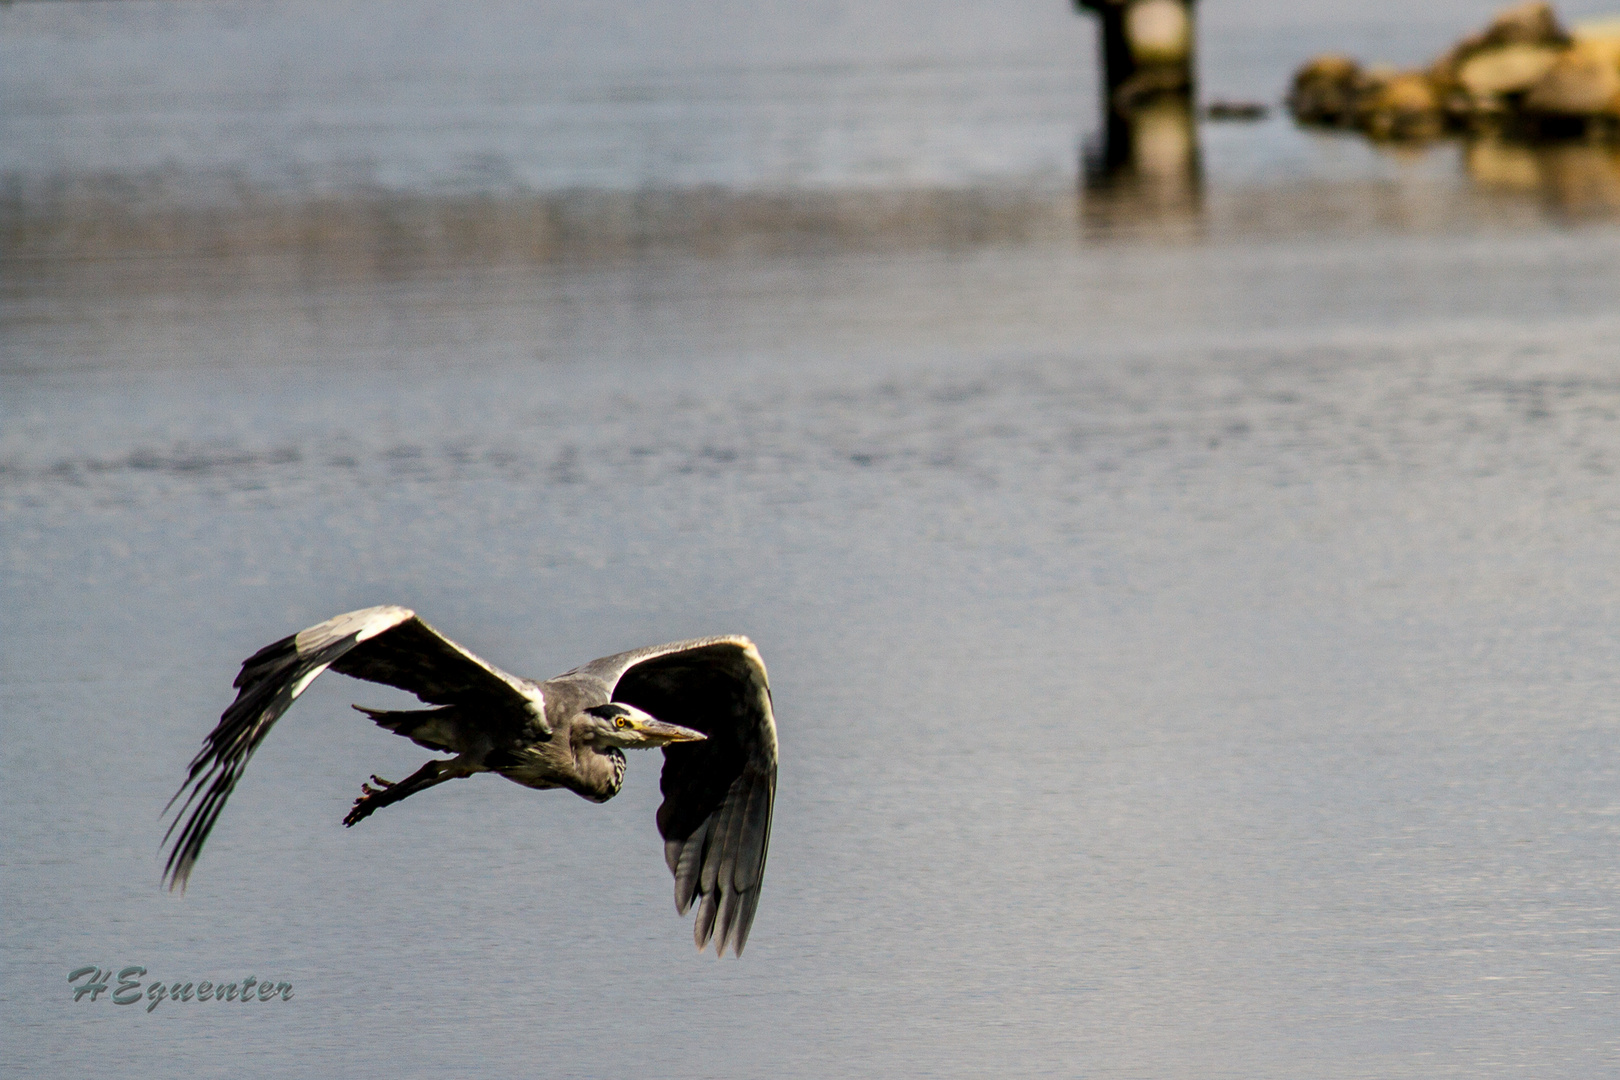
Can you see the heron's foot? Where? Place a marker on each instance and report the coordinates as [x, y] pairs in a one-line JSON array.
[[369, 800]]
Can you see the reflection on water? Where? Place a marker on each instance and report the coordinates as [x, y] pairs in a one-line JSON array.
[[385, 230], [1579, 179], [1144, 171], [1145, 177], [1154, 171]]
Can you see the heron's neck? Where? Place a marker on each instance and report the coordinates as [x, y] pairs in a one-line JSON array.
[[599, 771]]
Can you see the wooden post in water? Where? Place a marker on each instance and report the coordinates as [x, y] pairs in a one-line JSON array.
[[1146, 164], [1147, 47]]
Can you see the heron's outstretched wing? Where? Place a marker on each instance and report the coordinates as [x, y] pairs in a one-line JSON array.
[[381, 644], [718, 793]]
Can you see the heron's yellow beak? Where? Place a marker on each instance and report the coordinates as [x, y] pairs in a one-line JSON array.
[[658, 733]]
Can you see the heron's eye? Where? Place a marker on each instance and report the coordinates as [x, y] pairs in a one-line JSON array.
[[621, 722]]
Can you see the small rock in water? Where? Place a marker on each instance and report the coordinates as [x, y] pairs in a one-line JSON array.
[[1402, 105], [1489, 76], [1243, 111], [1326, 90]]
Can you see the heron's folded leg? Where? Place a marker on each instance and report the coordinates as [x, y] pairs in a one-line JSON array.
[[385, 794]]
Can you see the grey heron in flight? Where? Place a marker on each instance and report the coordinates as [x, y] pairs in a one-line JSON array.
[[705, 701]]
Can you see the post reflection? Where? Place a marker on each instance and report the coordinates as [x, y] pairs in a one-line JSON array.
[[1143, 170]]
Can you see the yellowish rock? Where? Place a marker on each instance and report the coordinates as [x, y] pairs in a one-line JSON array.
[[1600, 37], [1584, 82], [1510, 68], [1490, 75], [1402, 106], [1326, 89], [1523, 75], [1525, 24]]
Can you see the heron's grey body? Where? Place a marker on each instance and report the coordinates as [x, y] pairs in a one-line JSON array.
[[706, 701]]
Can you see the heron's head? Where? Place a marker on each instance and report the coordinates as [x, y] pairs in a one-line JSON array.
[[631, 728]]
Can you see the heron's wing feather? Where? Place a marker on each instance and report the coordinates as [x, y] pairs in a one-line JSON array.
[[381, 644], [413, 656], [718, 793], [610, 669]]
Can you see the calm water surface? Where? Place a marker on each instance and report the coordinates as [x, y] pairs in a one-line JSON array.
[[1193, 621]]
